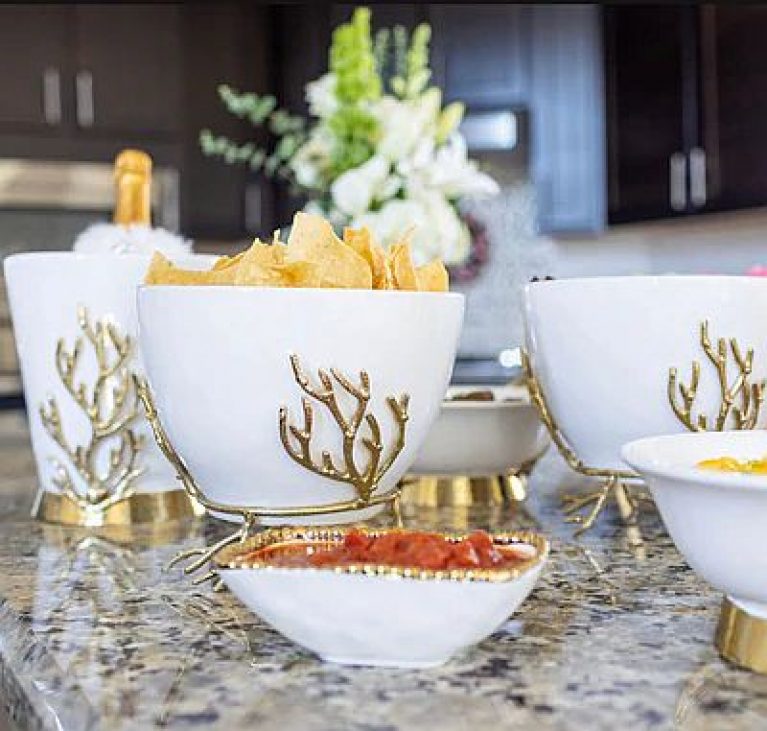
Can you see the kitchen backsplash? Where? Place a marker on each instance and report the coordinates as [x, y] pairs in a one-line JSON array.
[[42, 230], [493, 320]]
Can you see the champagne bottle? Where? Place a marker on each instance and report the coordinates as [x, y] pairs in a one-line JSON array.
[[133, 180], [132, 231]]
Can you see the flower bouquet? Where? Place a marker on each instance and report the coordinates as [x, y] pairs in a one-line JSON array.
[[379, 150]]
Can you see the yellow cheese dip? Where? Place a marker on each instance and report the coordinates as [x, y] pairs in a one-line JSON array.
[[730, 464]]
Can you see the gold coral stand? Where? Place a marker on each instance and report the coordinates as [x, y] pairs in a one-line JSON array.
[[359, 428], [740, 403], [614, 483], [96, 481]]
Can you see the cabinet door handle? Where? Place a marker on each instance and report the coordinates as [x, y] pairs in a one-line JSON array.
[[84, 94], [253, 207], [678, 181], [52, 96], [698, 192]]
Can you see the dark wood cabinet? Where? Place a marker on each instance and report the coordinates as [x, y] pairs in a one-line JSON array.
[[82, 81], [687, 109], [480, 52], [733, 105], [222, 43], [645, 111], [34, 65], [128, 75], [91, 70], [383, 16]]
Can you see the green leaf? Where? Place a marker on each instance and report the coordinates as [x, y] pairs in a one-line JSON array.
[[257, 160]]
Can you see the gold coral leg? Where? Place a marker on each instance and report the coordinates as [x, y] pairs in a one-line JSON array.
[[598, 498], [396, 510]]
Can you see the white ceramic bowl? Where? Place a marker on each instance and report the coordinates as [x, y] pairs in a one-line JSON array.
[[218, 363], [45, 291], [338, 614], [482, 438], [716, 519], [602, 348]]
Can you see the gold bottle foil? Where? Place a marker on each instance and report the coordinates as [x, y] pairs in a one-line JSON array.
[[133, 179]]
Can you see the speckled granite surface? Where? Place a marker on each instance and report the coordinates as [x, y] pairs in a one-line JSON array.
[[94, 635]]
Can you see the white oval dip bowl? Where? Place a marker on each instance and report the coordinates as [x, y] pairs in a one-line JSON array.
[[482, 438], [218, 362], [429, 615], [601, 350], [716, 519]]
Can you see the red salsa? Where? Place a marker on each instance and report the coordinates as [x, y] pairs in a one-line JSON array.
[[404, 549]]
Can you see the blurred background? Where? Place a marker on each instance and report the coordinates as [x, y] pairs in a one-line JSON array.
[[625, 139]]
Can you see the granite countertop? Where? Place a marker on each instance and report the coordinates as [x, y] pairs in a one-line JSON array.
[[95, 635]]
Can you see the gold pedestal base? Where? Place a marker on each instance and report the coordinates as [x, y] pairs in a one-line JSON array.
[[141, 508], [463, 491], [742, 638]]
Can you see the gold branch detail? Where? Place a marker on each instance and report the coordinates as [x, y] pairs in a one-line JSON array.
[[359, 429], [110, 406], [297, 441], [199, 559], [741, 400], [582, 508]]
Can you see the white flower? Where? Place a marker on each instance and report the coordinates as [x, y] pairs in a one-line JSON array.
[[404, 123], [455, 175], [355, 190], [312, 158], [389, 188], [435, 227], [444, 234], [321, 96], [446, 169], [393, 220]]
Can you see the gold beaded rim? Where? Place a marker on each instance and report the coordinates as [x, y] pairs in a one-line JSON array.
[[230, 558]]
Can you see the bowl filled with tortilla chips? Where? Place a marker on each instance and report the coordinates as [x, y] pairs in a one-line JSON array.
[[300, 374]]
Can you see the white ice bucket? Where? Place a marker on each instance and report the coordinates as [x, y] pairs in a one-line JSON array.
[[75, 324]]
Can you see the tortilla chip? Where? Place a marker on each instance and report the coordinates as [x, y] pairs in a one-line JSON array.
[[313, 257], [163, 271], [432, 277], [362, 242], [401, 267], [227, 261], [313, 240], [291, 274]]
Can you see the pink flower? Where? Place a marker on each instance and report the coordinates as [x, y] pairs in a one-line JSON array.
[[758, 270]]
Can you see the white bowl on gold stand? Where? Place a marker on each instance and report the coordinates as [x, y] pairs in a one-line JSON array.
[[74, 318], [477, 452], [602, 350], [717, 521], [613, 359], [280, 401]]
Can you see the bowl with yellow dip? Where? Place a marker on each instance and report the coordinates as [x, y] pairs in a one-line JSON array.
[[711, 491]]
